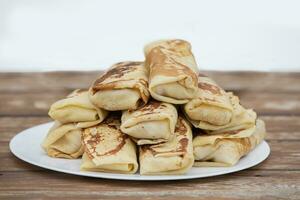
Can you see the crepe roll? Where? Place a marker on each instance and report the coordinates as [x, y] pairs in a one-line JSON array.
[[226, 149], [172, 157], [122, 87], [77, 108], [107, 149], [241, 118], [63, 141], [153, 123], [212, 104], [173, 71]]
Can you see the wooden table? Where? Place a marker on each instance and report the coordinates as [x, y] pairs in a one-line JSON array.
[[26, 97]]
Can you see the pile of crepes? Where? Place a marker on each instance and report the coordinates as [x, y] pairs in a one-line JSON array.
[[160, 116]]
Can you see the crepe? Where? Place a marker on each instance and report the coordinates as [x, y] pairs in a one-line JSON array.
[[77, 108], [172, 157], [226, 149], [150, 124], [241, 118], [173, 71], [122, 87], [212, 104], [107, 149], [63, 141]]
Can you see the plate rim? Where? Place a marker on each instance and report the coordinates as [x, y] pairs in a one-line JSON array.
[[133, 177]]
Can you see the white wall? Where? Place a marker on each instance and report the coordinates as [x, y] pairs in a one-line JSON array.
[[39, 35]]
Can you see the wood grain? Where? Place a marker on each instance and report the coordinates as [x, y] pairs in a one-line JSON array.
[[246, 184], [26, 97]]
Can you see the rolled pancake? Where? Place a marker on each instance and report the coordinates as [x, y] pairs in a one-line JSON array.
[[63, 141], [107, 149], [77, 108], [242, 118], [122, 87], [173, 71], [211, 105], [226, 149], [153, 123], [172, 157]]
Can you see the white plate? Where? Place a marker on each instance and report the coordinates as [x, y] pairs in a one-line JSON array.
[[27, 146]]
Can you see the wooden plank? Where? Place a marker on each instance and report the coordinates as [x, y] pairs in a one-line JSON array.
[[45, 82], [285, 155], [242, 185], [29, 104], [10, 126], [257, 81], [282, 127], [54, 81], [271, 103], [11, 163], [278, 127]]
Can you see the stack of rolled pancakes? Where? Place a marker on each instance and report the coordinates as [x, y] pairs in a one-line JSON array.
[[160, 116]]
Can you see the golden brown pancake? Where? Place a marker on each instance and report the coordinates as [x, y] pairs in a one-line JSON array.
[[153, 123], [172, 157], [241, 119], [77, 108], [226, 149], [63, 141], [212, 104], [173, 71], [124, 86], [107, 149]]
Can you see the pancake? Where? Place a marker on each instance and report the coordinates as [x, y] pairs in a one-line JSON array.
[[122, 87], [226, 149], [172, 157], [212, 104], [107, 149], [153, 123], [63, 141], [77, 107], [173, 71]]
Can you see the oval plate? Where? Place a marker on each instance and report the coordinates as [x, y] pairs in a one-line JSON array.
[[27, 146]]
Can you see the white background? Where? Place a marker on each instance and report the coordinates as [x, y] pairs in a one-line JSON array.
[[39, 35]]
